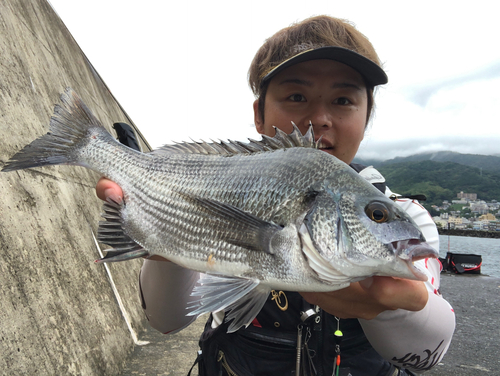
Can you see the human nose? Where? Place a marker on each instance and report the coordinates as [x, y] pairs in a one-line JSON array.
[[320, 117]]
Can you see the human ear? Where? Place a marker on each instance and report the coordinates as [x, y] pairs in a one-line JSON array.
[[259, 125]]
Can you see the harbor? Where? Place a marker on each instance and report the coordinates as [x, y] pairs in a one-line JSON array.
[[470, 233]]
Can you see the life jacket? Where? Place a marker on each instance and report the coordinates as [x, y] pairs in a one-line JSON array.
[[269, 345]]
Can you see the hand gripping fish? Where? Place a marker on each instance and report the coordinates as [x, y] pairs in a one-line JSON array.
[[271, 214]]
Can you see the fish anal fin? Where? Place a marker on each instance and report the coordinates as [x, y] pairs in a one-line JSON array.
[[111, 232]]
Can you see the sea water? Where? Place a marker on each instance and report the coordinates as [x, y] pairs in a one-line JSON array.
[[488, 248]]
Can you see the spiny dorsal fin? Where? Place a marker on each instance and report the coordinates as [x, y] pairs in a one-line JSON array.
[[281, 140]]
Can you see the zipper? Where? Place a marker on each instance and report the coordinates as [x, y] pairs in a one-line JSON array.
[[221, 358]]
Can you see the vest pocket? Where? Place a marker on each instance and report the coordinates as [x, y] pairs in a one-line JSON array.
[[221, 358]]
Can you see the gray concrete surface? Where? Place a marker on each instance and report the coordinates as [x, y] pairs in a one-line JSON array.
[[474, 350], [58, 312], [166, 354]]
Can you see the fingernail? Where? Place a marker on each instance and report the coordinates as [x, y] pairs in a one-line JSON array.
[[366, 283], [110, 193]]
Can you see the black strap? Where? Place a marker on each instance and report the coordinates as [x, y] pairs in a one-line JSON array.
[[126, 135], [412, 197], [197, 360]]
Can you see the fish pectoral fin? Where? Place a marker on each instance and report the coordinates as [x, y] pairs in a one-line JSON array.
[[110, 232], [242, 298], [238, 227]]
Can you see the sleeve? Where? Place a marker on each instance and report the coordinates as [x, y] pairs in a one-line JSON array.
[[416, 341], [165, 290]]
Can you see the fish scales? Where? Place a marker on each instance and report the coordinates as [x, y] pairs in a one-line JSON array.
[[270, 214], [222, 170], [189, 234]]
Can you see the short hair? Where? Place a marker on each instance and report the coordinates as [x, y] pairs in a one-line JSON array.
[[316, 31]]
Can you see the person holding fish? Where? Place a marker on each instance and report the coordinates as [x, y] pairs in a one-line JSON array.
[[321, 74], [308, 264]]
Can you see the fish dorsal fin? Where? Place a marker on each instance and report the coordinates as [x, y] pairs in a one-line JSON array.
[[281, 140]]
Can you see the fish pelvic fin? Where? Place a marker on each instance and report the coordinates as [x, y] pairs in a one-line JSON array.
[[238, 227], [241, 298], [69, 129], [110, 232]]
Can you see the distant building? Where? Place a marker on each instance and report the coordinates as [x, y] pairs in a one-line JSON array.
[[455, 220], [469, 196], [494, 226], [487, 217], [494, 205], [440, 222], [479, 207]]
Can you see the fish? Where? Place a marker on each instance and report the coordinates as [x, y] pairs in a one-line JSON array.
[[250, 217]]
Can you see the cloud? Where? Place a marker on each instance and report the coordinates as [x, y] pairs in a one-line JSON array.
[[422, 94], [383, 150]]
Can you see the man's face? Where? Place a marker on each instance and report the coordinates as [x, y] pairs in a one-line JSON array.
[[327, 93]]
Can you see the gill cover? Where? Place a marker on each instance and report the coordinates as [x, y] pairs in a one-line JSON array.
[[341, 240], [326, 226]]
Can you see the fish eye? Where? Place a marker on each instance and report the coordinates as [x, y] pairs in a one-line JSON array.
[[377, 212]]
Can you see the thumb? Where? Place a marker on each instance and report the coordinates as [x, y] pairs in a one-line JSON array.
[[366, 283]]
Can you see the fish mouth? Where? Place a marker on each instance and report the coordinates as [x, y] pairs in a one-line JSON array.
[[411, 250]]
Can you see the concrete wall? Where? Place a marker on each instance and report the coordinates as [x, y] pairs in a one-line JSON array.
[[58, 312]]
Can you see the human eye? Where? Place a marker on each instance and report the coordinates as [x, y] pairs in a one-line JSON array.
[[297, 98], [343, 101]]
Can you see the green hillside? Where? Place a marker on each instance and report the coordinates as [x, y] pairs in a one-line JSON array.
[[441, 180], [485, 162]]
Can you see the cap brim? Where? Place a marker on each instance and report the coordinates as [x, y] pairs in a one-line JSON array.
[[373, 74]]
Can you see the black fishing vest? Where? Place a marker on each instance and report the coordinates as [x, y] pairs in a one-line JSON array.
[[268, 346]]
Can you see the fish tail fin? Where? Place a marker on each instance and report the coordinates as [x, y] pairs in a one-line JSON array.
[[70, 127]]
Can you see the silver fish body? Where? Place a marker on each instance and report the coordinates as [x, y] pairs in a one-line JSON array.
[[270, 214]]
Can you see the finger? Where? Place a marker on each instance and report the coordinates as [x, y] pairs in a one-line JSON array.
[[156, 258], [396, 293], [106, 188]]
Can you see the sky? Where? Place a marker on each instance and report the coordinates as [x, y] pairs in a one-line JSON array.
[[179, 69]]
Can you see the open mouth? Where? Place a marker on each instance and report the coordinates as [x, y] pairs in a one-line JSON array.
[[325, 146], [411, 250]]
